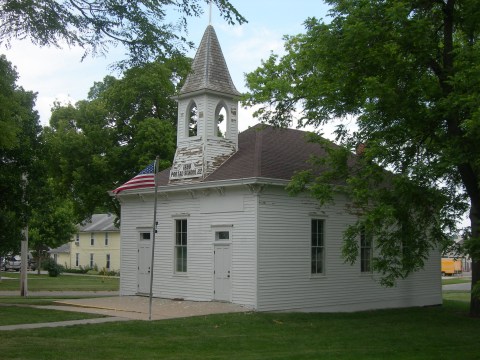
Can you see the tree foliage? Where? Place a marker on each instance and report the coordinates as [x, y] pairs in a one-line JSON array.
[[27, 195], [408, 72], [52, 219], [147, 29], [103, 141], [19, 144]]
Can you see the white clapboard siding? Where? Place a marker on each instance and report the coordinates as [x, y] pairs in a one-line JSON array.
[[270, 253], [234, 208], [284, 278], [136, 213]]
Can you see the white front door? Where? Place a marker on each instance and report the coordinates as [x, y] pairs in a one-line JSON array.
[[144, 260], [222, 279]]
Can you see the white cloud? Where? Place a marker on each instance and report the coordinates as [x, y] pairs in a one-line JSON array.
[[55, 73], [44, 105]]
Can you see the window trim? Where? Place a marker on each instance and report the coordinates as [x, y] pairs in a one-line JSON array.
[[184, 247], [364, 235], [92, 239], [106, 238], [323, 247]]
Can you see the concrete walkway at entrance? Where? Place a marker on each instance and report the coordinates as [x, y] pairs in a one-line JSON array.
[[137, 307], [124, 308]]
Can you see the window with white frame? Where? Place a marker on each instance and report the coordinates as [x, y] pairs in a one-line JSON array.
[[106, 239], [107, 262], [92, 239], [181, 245], [318, 246], [92, 264], [77, 239], [366, 251], [222, 235], [145, 236], [77, 259]]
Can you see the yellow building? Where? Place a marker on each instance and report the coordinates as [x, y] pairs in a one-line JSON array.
[[96, 246]]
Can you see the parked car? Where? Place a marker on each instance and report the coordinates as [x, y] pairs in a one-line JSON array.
[[13, 263]]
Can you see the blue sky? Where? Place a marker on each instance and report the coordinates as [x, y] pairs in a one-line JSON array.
[[59, 74]]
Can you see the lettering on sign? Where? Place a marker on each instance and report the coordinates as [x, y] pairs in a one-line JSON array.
[[185, 171]]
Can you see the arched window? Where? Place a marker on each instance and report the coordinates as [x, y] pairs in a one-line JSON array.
[[221, 120], [192, 119]]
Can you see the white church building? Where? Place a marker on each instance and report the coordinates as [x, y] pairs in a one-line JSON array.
[[227, 229]]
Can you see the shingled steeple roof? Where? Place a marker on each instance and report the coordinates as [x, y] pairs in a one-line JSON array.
[[209, 69]]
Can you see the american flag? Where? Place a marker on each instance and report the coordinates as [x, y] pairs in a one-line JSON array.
[[144, 179]]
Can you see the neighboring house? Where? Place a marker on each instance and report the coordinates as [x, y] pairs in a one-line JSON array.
[[228, 231], [96, 244], [61, 255]]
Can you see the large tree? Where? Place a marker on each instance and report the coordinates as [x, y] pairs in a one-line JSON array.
[[407, 72], [19, 146], [147, 29], [103, 141], [27, 195]]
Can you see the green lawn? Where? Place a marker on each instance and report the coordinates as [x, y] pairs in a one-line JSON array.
[[61, 283], [455, 281], [10, 315], [457, 295], [443, 332]]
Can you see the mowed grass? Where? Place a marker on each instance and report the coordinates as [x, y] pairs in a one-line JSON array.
[[443, 332], [37, 282], [455, 281], [11, 315]]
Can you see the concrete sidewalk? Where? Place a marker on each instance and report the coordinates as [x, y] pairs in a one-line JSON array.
[[459, 287], [137, 307], [60, 293], [124, 308], [61, 323]]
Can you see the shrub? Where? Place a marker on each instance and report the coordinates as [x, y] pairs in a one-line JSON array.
[[80, 270], [106, 272], [52, 267]]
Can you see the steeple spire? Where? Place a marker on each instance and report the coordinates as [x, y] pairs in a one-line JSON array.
[[209, 69], [207, 98]]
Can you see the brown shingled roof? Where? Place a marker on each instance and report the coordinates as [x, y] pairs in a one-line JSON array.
[[209, 69], [264, 152], [268, 152]]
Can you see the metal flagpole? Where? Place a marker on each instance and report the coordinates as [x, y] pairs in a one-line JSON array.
[[155, 172]]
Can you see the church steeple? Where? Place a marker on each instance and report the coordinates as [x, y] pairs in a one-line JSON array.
[[209, 69], [207, 98]]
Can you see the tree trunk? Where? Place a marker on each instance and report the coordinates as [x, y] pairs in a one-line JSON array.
[[475, 301], [39, 259]]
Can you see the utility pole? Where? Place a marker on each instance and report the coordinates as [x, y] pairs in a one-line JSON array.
[[24, 265], [24, 247]]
